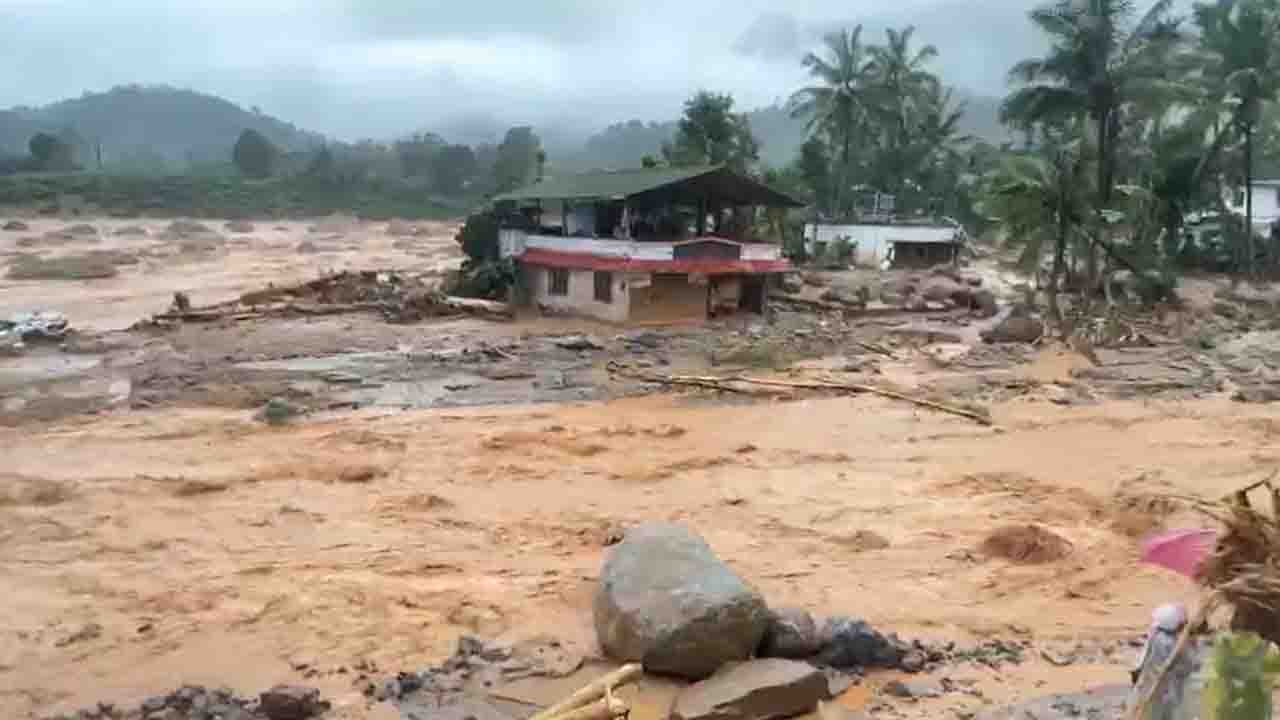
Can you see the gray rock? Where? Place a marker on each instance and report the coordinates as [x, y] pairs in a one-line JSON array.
[[754, 690], [912, 690], [291, 702], [1098, 703], [16, 226], [791, 633], [1015, 329], [667, 601], [847, 643], [131, 230], [240, 227], [578, 342]]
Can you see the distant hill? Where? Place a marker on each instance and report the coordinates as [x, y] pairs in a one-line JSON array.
[[622, 145], [145, 125]]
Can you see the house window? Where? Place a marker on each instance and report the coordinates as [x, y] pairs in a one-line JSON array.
[[559, 281], [1237, 197], [604, 287]]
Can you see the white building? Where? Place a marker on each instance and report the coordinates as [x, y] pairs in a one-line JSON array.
[[1266, 204]]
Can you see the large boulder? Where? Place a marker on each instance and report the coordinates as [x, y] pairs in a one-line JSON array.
[[667, 601], [1019, 327], [939, 288], [755, 690]]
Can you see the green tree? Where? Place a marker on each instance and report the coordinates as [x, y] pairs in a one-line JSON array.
[[1240, 41], [322, 167], [814, 167], [710, 133], [904, 88], [840, 101], [517, 159], [452, 168], [254, 155], [1099, 64], [1039, 201], [51, 153]]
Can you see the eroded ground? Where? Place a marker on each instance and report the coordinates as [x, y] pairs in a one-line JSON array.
[[169, 537]]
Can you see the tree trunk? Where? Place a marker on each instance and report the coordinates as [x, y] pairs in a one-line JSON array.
[[1248, 198], [1059, 264], [1102, 120]]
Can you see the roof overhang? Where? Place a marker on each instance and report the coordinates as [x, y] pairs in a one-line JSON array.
[[704, 266]]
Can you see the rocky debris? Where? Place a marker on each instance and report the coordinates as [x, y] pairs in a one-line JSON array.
[[983, 303], [578, 343], [666, 600], [1019, 327], [792, 284], [195, 702], [474, 665], [306, 247], [291, 702], [852, 643], [791, 633], [184, 228], [1107, 701], [240, 227], [1260, 393], [80, 230], [46, 325], [754, 690], [15, 226], [131, 231], [912, 690]]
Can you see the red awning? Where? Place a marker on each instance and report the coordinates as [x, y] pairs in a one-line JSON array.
[[588, 261]]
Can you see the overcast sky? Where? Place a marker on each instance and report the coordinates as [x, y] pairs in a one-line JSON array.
[[379, 68]]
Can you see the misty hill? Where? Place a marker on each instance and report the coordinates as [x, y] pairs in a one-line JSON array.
[[622, 145], [145, 125]]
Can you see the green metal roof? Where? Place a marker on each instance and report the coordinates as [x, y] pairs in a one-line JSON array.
[[714, 180]]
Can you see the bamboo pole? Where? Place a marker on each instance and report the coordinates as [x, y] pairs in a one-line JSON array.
[[599, 689]]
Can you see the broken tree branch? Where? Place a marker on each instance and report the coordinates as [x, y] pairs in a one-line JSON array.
[[582, 704], [727, 384]]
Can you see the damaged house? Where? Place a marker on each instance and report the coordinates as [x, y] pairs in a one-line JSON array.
[[654, 245]]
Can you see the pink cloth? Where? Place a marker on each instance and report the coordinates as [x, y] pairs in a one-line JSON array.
[[1181, 551]]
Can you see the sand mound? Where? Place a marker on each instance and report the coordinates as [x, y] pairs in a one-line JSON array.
[[1026, 544]]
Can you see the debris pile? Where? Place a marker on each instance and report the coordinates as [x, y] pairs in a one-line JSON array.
[[195, 702], [41, 325], [399, 298]]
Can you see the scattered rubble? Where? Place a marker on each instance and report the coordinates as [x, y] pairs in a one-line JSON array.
[[912, 690], [666, 600], [579, 342], [754, 690], [1020, 326], [41, 325], [1107, 701], [131, 231], [195, 702]]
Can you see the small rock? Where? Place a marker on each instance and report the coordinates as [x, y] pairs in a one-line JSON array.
[[82, 230], [169, 713], [912, 690], [848, 643], [16, 226], [579, 343], [154, 704], [130, 230], [753, 690], [278, 411], [913, 661], [791, 633], [291, 702], [240, 227], [359, 474]]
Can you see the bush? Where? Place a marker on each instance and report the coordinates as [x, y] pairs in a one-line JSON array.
[[254, 155], [479, 238], [490, 280]]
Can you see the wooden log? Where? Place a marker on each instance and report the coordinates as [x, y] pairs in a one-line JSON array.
[[600, 688], [727, 384]]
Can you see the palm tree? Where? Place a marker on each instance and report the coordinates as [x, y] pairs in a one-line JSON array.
[[1038, 199], [840, 101], [1097, 64], [934, 149], [1239, 42], [904, 87]]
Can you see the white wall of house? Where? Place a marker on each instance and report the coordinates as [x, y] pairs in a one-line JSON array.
[[1266, 203], [580, 299]]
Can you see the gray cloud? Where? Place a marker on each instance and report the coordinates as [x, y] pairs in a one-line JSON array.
[[356, 68]]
